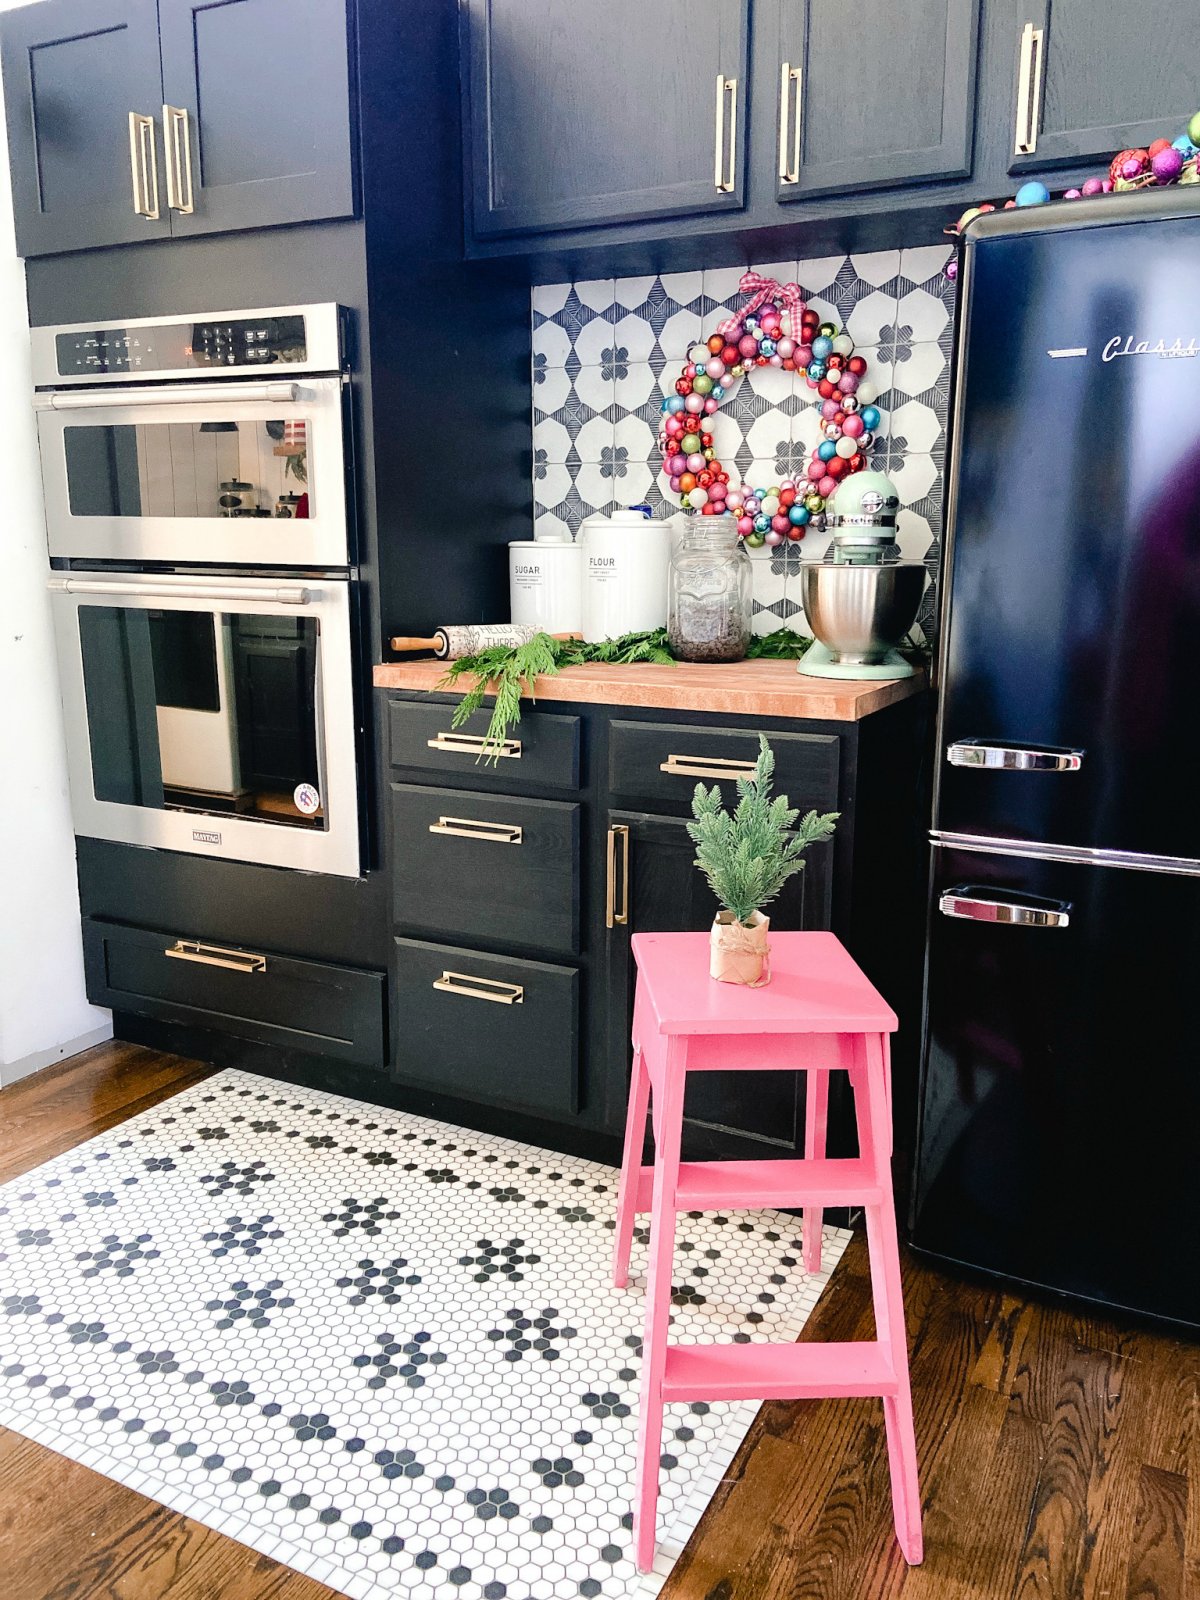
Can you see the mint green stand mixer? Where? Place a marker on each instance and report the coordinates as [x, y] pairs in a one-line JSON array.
[[860, 600]]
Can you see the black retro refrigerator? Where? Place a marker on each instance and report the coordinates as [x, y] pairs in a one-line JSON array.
[[1059, 1140]]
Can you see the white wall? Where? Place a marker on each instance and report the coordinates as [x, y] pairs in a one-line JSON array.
[[44, 1014]]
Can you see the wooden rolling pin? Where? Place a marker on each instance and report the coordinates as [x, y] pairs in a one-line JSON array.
[[451, 642]]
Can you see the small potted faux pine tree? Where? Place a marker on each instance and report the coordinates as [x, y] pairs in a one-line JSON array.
[[748, 855]]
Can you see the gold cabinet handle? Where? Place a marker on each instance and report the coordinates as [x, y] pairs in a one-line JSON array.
[[177, 134], [215, 955], [476, 744], [725, 152], [1030, 72], [707, 767], [469, 828], [612, 917], [143, 162], [463, 983], [789, 158]]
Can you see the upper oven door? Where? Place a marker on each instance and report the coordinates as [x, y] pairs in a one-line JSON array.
[[235, 474]]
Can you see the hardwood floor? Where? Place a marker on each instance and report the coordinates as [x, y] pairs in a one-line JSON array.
[[1060, 1453]]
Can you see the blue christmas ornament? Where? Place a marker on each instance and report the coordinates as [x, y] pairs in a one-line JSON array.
[[822, 347], [762, 523], [870, 418], [798, 515], [816, 370], [827, 449], [1032, 194], [768, 347]]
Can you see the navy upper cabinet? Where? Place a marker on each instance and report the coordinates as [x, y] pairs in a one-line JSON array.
[[580, 115], [871, 95], [83, 95], [1091, 77], [142, 119], [256, 113]]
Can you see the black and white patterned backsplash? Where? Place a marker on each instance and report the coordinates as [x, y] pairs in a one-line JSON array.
[[606, 352]]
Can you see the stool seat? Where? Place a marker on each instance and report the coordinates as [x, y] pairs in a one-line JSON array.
[[818, 1014], [815, 987]]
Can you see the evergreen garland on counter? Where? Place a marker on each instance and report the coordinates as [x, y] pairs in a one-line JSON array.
[[508, 673]]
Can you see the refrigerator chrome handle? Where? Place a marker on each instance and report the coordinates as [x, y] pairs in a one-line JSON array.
[[1011, 758], [976, 905]]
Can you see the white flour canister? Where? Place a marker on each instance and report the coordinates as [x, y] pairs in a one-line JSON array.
[[625, 561], [545, 584]]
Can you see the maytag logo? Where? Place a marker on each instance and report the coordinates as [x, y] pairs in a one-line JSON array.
[[1118, 347], [201, 837]]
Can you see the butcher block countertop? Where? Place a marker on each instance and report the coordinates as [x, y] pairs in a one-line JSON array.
[[742, 689]]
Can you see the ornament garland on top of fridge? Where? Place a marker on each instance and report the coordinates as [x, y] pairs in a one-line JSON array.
[[774, 328], [1166, 161]]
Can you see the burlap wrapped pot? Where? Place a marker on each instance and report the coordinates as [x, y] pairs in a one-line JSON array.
[[738, 951]]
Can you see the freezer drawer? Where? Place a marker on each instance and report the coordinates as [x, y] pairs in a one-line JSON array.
[[1060, 1098]]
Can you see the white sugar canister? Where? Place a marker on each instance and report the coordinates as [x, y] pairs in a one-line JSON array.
[[625, 561], [545, 584]]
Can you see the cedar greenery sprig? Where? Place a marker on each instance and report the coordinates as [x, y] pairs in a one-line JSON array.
[[748, 855], [508, 672]]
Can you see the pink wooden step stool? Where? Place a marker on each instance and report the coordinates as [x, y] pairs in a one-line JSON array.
[[818, 1014]]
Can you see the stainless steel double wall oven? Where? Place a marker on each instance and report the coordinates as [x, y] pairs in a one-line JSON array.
[[195, 474]]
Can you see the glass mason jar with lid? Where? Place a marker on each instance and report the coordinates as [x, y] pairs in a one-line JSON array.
[[708, 609]]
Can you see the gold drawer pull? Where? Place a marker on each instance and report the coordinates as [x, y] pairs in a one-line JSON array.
[[475, 744], [725, 154], [143, 160], [612, 917], [505, 994], [789, 169], [468, 828], [707, 767], [215, 955], [1031, 66]]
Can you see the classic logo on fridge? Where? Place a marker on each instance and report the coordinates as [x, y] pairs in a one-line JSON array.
[[1126, 345]]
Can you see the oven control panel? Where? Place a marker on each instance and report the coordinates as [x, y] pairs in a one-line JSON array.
[[172, 347], [235, 343]]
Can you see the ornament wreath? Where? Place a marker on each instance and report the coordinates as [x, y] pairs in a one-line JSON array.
[[774, 328]]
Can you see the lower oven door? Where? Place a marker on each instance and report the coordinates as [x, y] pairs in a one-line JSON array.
[[212, 716]]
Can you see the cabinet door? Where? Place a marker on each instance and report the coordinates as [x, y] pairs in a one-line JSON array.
[[577, 115], [656, 885], [1091, 77], [886, 99], [75, 71], [260, 130]]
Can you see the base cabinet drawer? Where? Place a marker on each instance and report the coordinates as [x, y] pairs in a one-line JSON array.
[[486, 1027], [313, 1006], [663, 762], [542, 751], [493, 869]]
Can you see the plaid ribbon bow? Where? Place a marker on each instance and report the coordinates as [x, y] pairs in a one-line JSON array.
[[764, 291]]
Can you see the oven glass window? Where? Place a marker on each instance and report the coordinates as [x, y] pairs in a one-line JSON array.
[[202, 711], [189, 469]]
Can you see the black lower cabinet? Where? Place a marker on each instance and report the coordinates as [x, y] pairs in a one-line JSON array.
[[310, 1006], [657, 889], [513, 912], [487, 1027]]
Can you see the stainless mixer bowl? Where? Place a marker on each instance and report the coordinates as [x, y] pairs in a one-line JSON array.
[[861, 612]]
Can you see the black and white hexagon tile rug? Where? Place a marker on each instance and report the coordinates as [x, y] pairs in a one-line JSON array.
[[383, 1350]]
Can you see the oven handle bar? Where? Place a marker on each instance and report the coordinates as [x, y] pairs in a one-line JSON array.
[[288, 595], [180, 394]]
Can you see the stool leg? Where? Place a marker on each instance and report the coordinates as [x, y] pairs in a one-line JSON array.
[[816, 1116], [631, 1168], [658, 1301], [888, 1296]]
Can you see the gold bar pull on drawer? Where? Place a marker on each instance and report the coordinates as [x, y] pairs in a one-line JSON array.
[[707, 767], [215, 955], [489, 832], [505, 994], [1030, 73], [476, 744]]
